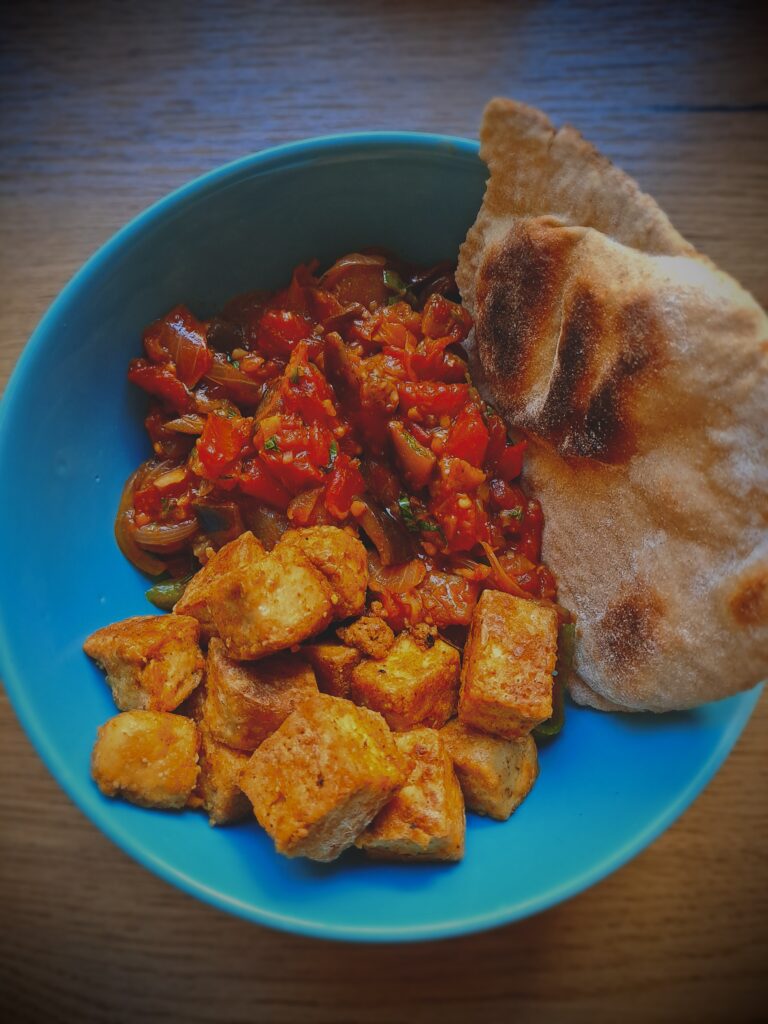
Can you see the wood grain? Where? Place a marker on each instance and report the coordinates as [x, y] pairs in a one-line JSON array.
[[106, 107]]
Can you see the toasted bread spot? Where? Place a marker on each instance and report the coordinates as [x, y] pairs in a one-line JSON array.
[[749, 601], [630, 624]]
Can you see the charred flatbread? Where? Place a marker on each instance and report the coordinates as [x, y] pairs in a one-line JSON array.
[[639, 373]]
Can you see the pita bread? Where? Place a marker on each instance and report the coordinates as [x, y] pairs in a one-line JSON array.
[[639, 372]]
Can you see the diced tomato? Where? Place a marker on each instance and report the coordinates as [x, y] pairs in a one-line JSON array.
[[506, 497], [280, 331], [221, 443], [148, 501], [255, 480], [161, 382], [432, 398], [468, 438], [180, 338], [442, 317], [509, 465], [457, 475], [463, 521], [344, 484], [530, 543], [305, 390], [294, 453], [432, 362]]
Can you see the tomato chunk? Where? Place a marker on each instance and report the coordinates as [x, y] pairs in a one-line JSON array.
[[432, 398], [469, 436]]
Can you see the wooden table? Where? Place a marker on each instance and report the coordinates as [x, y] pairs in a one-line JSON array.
[[108, 106]]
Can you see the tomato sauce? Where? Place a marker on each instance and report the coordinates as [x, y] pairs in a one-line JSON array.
[[343, 398]]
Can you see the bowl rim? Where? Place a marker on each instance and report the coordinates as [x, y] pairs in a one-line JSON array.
[[85, 799]]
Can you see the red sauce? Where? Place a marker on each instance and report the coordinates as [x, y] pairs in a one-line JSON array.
[[345, 399]]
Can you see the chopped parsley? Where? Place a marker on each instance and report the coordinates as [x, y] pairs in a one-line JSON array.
[[271, 445], [333, 452], [412, 523]]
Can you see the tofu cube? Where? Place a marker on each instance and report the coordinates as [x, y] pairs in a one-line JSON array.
[[274, 604], [152, 662], [425, 818], [332, 665], [246, 702], [245, 550], [370, 635], [322, 777], [147, 757], [414, 685], [495, 774], [341, 559], [218, 787], [506, 685]]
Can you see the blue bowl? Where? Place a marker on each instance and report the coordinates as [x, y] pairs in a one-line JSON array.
[[71, 432]]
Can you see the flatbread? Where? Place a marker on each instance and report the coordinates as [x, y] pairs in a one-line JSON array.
[[639, 373]]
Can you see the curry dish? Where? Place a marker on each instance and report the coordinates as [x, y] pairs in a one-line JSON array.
[[363, 637]]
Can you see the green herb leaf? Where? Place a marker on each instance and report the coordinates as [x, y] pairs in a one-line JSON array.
[[394, 282], [333, 452], [271, 445], [407, 513], [513, 513]]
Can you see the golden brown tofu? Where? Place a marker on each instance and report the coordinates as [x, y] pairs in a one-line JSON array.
[[218, 787], [342, 560], [320, 779], [506, 681], [412, 686], [245, 550], [495, 774], [332, 664], [274, 604], [370, 635], [425, 818], [247, 701], [147, 757], [152, 662]]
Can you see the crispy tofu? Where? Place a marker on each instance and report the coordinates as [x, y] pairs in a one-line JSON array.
[[245, 550], [341, 559], [276, 603], [370, 635], [506, 681], [246, 702], [414, 685], [218, 787], [425, 818], [332, 665], [322, 777], [495, 774], [152, 662], [147, 757]]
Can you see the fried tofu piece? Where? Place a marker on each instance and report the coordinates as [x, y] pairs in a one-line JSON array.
[[322, 777], [509, 658], [425, 818], [245, 550], [341, 559], [414, 685], [495, 774], [263, 608], [152, 662], [247, 701], [332, 664], [370, 635], [218, 787], [147, 757]]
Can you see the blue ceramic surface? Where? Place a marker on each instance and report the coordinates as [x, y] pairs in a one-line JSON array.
[[71, 432]]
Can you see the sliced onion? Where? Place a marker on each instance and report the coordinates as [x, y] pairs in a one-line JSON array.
[[190, 423], [501, 578], [266, 524], [164, 536], [387, 534], [123, 529], [397, 578]]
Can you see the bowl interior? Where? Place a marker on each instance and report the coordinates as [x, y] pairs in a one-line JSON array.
[[71, 432]]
